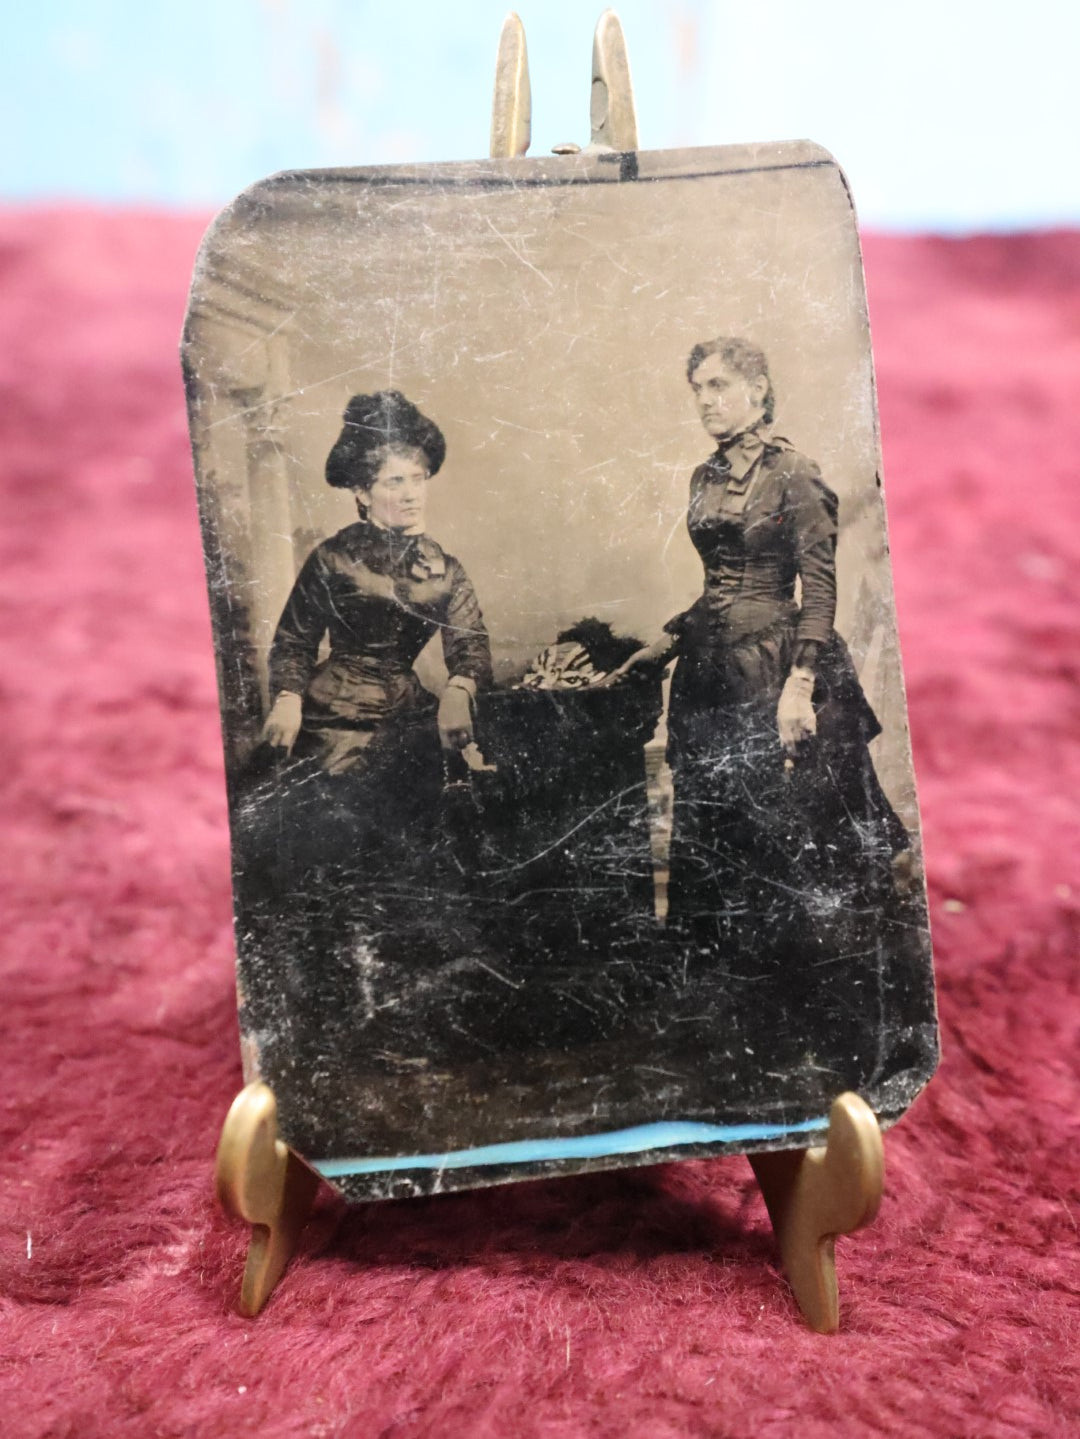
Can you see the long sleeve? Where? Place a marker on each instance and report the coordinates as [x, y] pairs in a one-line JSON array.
[[300, 630], [812, 512], [466, 647]]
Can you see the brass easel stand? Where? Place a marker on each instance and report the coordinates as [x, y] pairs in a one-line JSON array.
[[812, 1195], [261, 1180]]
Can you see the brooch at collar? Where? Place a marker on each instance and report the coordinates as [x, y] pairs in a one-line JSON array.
[[428, 561]]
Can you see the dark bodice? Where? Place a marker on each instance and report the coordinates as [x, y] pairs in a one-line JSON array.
[[379, 597], [756, 535]]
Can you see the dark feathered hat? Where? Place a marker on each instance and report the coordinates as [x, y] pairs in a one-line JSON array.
[[373, 425]]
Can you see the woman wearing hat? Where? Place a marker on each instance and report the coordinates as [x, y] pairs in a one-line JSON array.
[[344, 847], [378, 590]]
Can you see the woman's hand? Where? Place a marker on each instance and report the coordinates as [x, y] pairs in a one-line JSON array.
[[657, 653], [795, 717], [455, 718], [283, 722]]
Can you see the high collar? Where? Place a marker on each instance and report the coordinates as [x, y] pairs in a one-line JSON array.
[[736, 458], [390, 551]]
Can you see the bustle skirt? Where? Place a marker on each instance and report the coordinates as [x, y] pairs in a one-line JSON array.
[[766, 840]]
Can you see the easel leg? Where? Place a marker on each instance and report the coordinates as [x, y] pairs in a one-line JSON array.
[[813, 1195], [260, 1180]]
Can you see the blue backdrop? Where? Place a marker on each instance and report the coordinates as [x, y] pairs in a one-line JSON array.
[[945, 115]]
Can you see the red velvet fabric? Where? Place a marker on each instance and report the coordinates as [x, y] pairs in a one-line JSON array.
[[646, 1304]]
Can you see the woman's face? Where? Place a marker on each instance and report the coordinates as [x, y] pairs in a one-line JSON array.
[[727, 402], [398, 495]]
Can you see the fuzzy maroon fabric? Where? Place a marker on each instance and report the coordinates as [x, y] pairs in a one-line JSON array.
[[646, 1304]]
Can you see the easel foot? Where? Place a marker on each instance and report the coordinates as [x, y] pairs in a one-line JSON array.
[[260, 1180], [813, 1195]]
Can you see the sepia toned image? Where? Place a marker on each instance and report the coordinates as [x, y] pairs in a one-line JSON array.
[[570, 789]]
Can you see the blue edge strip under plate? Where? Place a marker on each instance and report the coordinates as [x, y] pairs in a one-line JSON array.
[[642, 1137]]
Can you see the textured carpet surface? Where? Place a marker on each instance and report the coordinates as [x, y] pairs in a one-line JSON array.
[[645, 1304]]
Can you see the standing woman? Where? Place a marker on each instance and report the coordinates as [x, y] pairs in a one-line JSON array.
[[781, 835]]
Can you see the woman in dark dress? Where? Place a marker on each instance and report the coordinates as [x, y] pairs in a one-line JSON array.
[[378, 591], [347, 828], [782, 839]]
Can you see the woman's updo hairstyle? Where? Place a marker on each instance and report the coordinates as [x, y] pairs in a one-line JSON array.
[[742, 357], [375, 426]]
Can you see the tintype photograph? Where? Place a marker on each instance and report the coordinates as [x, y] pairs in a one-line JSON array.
[[572, 809]]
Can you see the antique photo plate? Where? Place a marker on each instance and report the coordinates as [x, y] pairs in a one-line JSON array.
[[570, 789]]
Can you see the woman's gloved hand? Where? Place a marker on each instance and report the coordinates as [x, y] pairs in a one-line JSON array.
[[455, 718], [795, 718], [283, 722]]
